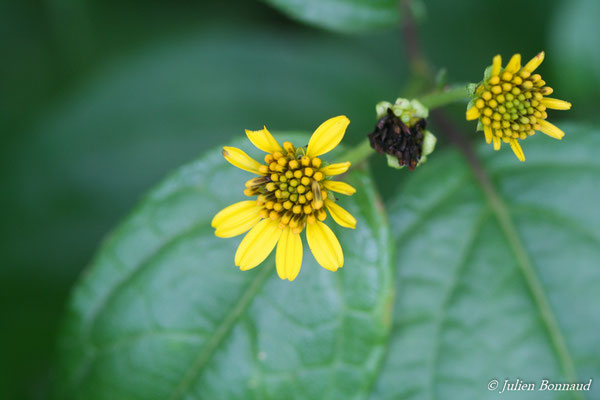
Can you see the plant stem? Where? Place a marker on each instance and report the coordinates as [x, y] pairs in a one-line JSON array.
[[436, 99], [358, 153], [418, 62], [441, 98]]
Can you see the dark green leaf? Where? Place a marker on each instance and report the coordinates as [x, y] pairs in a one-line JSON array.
[[574, 41], [463, 36], [499, 287], [155, 109], [342, 15], [163, 313], [106, 138]]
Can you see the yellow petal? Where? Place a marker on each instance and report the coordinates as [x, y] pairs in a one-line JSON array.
[[340, 187], [257, 244], [516, 148], [336, 169], [550, 129], [340, 215], [473, 113], [555, 104], [264, 140], [324, 245], [242, 226], [236, 219], [241, 160], [497, 142], [534, 62], [289, 254], [496, 65], [488, 134], [327, 136], [514, 64], [231, 211]]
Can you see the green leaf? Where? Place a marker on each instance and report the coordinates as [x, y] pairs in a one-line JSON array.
[[574, 40], [500, 283], [74, 168], [348, 16], [152, 110], [163, 313]]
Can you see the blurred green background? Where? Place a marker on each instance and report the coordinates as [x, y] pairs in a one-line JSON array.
[[100, 100]]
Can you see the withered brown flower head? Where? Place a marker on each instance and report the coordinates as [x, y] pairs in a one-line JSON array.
[[393, 137], [401, 133]]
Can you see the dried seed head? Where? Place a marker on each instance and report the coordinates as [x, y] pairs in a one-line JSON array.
[[401, 133]]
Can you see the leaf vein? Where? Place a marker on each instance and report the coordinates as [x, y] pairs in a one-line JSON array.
[[443, 310], [222, 330], [533, 283]]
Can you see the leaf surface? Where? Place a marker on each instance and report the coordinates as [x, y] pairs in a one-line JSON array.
[[483, 294], [163, 313], [574, 57], [342, 15]]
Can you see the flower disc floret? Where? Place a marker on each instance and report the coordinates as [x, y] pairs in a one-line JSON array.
[[291, 189]]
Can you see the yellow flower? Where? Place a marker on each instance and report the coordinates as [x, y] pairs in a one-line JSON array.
[[293, 190], [511, 103]]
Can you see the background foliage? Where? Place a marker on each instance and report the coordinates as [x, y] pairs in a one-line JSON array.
[[100, 100]]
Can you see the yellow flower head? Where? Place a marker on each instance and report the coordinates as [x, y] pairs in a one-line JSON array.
[[293, 192], [511, 103]]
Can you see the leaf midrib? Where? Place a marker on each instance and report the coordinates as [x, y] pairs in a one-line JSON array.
[[95, 314], [500, 210], [223, 330], [442, 313]]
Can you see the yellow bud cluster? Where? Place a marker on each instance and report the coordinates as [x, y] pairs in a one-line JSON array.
[[510, 104]]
